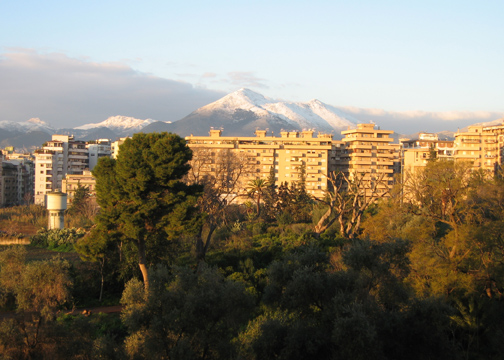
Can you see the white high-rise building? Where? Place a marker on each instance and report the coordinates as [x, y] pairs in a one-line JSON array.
[[58, 157], [98, 149]]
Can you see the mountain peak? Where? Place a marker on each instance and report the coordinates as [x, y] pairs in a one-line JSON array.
[[247, 95], [245, 106], [119, 122], [37, 121]]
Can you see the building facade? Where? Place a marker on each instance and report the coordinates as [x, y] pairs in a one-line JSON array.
[[415, 153], [300, 156], [483, 146], [58, 157], [370, 155], [72, 182], [291, 156], [98, 149]]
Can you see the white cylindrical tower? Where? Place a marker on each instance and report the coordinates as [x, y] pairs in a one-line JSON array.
[[56, 205]]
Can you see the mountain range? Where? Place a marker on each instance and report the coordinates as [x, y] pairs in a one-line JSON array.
[[239, 114]]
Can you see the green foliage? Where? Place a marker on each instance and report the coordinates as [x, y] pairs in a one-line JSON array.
[[184, 315], [142, 198], [316, 312], [57, 239], [40, 289], [80, 196]]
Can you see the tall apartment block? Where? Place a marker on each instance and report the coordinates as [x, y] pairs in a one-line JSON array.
[[368, 152], [58, 157], [481, 145], [16, 178], [97, 149], [289, 155]]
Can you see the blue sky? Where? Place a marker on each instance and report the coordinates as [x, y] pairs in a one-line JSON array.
[[394, 55]]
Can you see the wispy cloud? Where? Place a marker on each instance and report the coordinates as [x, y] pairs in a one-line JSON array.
[[246, 79], [68, 92], [208, 75]]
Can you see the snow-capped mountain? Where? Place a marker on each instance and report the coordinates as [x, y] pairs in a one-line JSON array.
[[492, 123], [313, 114], [34, 124], [121, 125], [242, 112]]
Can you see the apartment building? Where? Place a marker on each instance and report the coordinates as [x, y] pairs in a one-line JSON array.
[[72, 182], [97, 149], [114, 147], [369, 152], [416, 152], [58, 157], [289, 155], [483, 146], [16, 177]]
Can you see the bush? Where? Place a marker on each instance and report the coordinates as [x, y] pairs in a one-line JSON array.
[[57, 239]]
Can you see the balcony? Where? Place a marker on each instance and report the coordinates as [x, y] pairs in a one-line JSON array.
[[386, 147], [470, 141], [361, 146], [385, 171]]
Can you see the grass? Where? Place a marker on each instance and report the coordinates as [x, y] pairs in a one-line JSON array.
[[23, 219]]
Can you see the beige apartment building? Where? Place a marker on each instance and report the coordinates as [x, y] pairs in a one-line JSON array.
[[363, 150], [416, 152], [369, 152], [72, 182], [481, 145], [289, 155]]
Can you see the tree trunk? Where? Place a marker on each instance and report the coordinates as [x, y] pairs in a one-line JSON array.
[[200, 247], [258, 203], [142, 263], [102, 265]]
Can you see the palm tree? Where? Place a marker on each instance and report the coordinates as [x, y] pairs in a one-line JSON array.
[[256, 187]]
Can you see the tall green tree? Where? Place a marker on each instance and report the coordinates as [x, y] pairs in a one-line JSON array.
[[141, 195]]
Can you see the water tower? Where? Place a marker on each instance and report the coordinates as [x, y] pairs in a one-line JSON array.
[[56, 205]]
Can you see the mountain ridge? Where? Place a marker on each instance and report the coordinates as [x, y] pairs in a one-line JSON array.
[[239, 113]]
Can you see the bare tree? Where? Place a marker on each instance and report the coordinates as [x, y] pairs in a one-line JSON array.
[[223, 173], [347, 200]]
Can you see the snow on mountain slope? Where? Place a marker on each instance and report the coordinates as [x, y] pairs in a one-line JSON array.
[[313, 114], [34, 124], [119, 123], [491, 123]]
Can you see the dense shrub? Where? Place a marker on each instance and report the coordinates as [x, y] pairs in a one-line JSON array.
[[57, 239]]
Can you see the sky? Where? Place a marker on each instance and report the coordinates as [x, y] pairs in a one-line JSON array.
[[75, 62]]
